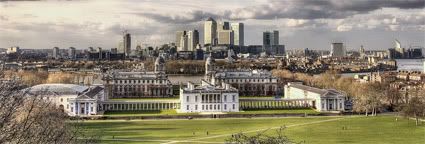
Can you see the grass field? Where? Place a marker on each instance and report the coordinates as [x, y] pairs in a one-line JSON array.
[[322, 130], [173, 112]]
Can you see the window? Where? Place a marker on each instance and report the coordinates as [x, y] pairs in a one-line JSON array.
[[225, 98], [72, 109], [218, 107], [233, 106], [187, 107], [196, 98], [206, 107], [215, 107], [91, 109], [202, 107], [323, 106], [187, 98], [61, 100], [233, 98], [225, 107], [67, 106], [210, 107], [196, 107], [340, 105]]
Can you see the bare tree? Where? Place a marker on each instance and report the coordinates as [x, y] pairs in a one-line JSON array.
[[261, 138], [415, 107], [31, 119]]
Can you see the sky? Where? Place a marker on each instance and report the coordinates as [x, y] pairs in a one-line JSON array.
[[312, 24]]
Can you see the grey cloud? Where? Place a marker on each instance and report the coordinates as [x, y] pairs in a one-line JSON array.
[[307, 9], [188, 17]]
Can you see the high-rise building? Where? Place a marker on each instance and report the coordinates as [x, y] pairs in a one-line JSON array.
[[238, 34], [337, 50], [184, 44], [127, 43], [210, 31], [192, 39], [179, 35], [271, 43], [223, 26], [72, 53], [225, 37], [120, 48], [56, 53]]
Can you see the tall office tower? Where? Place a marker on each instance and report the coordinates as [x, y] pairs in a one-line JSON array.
[[127, 43], [120, 48], [56, 54], [72, 53], [223, 26], [225, 37], [192, 39], [337, 50], [400, 51], [99, 50], [184, 44], [210, 31], [238, 33], [271, 44], [179, 35]]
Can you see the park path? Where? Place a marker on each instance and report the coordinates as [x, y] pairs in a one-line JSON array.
[[251, 131]]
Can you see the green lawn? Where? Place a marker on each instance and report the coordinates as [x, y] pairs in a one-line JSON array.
[[381, 129], [144, 113], [278, 111]]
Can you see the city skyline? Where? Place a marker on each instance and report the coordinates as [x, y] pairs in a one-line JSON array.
[[81, 24]]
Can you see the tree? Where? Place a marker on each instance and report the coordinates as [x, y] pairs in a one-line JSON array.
[[31, 119], [415, 107], [261, 138]]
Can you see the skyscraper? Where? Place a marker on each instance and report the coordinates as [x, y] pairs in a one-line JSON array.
[[179, 35], [56, 54], [223, 26], [337, 50], [210, 31], [225, 37], [271, 42], [238, 34], [192, 39], [120, 47], [127, 43], [72, 53]]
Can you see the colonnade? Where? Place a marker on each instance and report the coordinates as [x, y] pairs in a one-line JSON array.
[[273, 104]]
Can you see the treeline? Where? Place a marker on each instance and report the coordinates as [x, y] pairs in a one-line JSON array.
[[368, 98], [31, 78]]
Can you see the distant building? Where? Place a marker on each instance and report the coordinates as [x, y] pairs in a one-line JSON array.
[[72, 53], [271, 43], [209, 98], [127, 44], [192, 39], [338, 50], [56, 53], [225, 37], [238, 33], [180, 40], [321, 99], [13, 50], [210, 31]]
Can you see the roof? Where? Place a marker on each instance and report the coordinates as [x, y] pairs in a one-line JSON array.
[[58, 88], [310, 89], [93, 92]]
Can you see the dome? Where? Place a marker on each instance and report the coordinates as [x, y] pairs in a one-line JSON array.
[[58, 88], [159, 60]]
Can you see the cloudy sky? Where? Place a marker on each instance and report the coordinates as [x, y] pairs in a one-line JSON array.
[[302, 23]]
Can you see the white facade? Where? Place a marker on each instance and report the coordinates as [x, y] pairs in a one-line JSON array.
[[322, 100], [75, 100], [209, 98]]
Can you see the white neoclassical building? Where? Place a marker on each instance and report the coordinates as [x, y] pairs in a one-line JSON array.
[[75, 100], [248, 82], [138, 84], [320, 99], [208, 97]]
